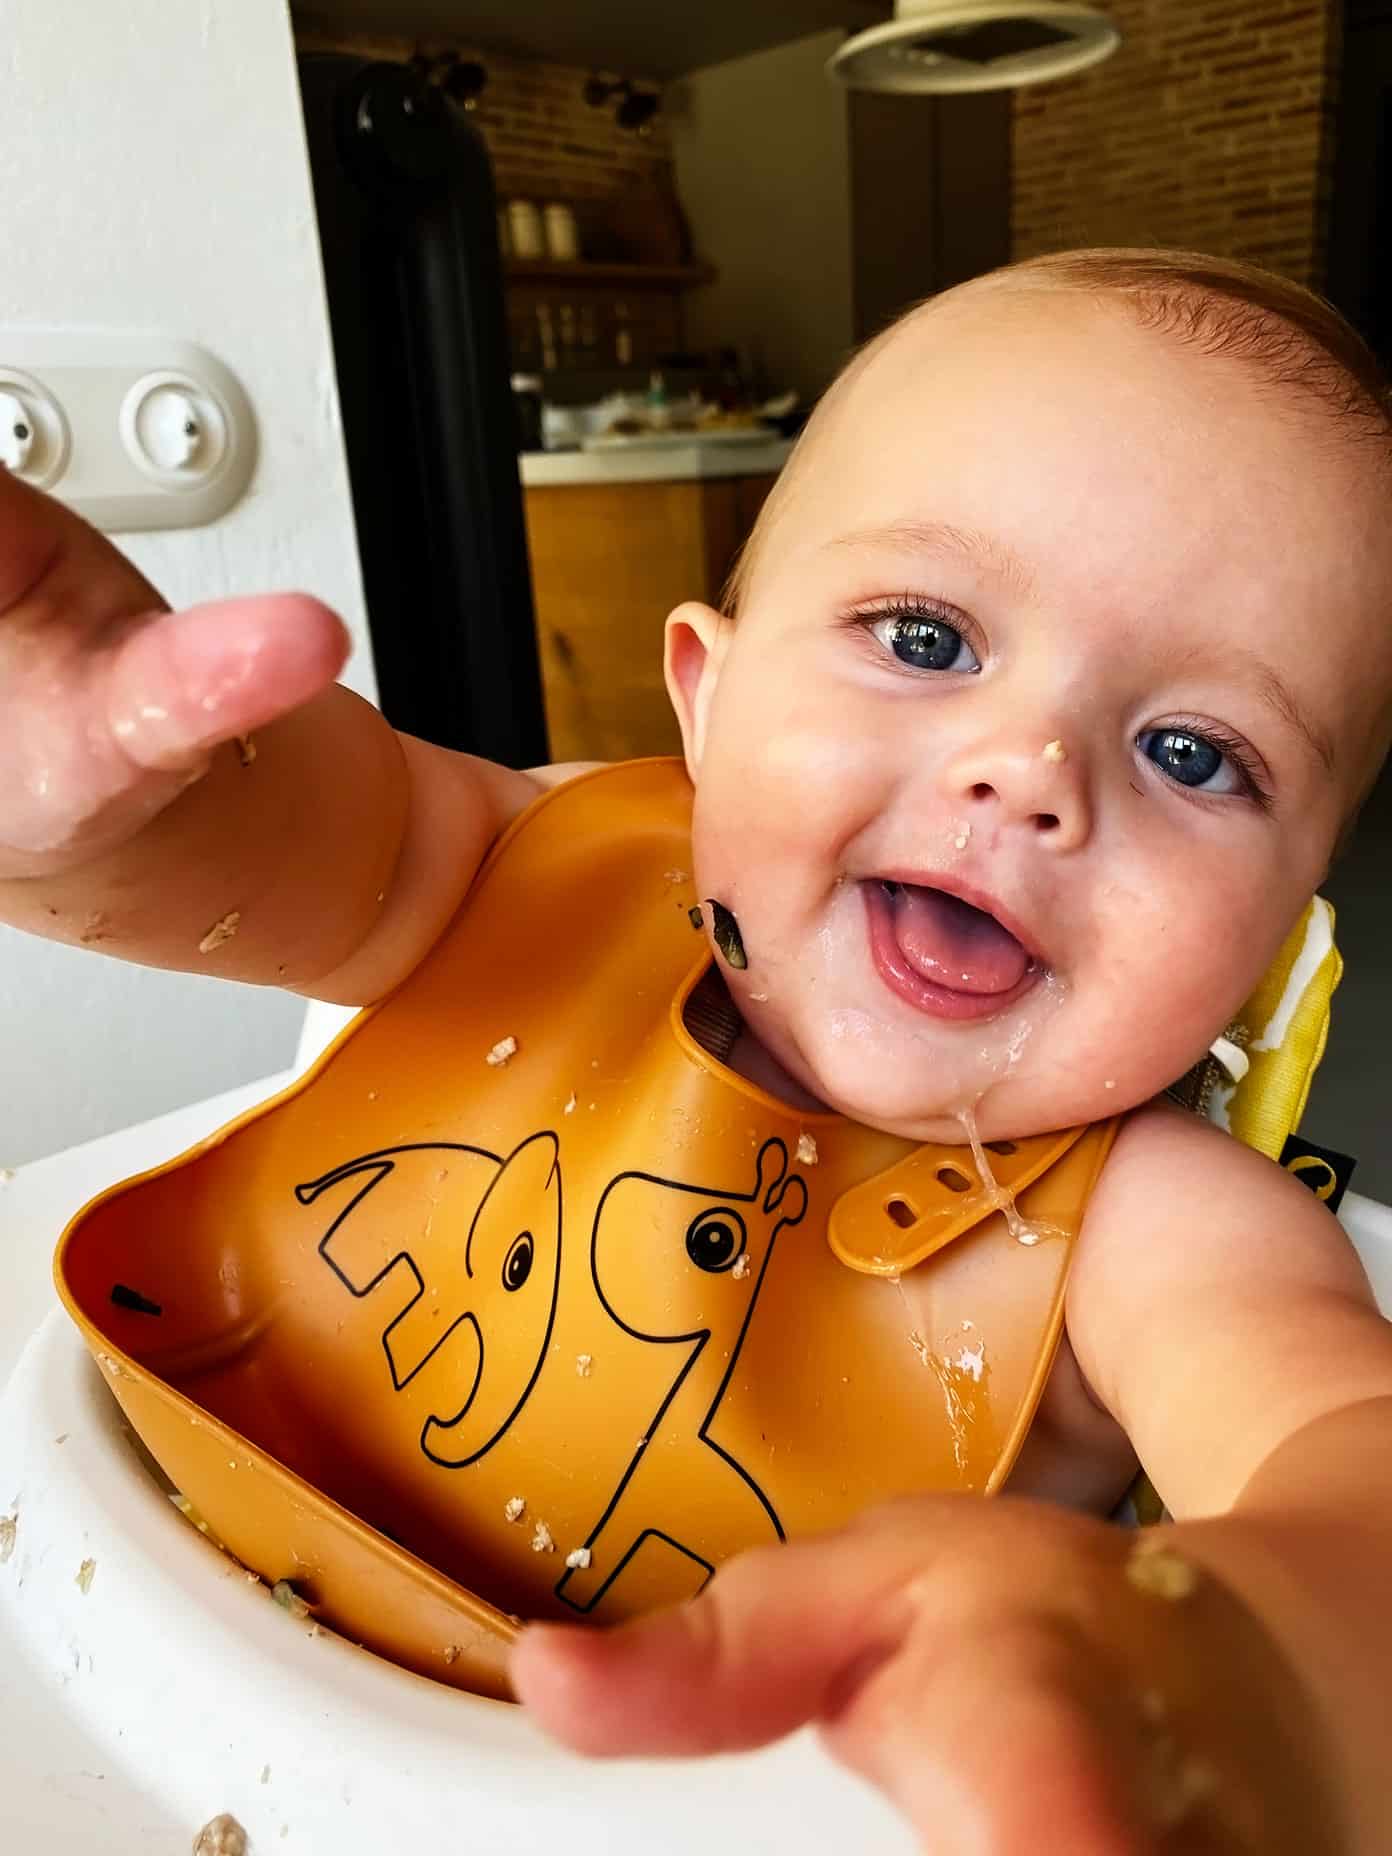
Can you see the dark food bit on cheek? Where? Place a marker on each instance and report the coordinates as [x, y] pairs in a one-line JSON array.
[[727, 935]]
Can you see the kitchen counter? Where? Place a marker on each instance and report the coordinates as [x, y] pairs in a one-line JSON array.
[[654, 463]]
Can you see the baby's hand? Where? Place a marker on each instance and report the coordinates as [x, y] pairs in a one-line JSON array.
[[110, 705], [1016, 1678]]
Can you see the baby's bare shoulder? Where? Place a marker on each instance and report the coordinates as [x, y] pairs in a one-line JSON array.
[[1215, 1306]]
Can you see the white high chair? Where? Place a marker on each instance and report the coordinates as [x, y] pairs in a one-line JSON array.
[[155, 1685]]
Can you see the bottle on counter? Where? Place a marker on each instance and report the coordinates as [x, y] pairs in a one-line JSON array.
[[623, 336], [546, 337], [659, 413]]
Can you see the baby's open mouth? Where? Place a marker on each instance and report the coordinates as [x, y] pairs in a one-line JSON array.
[[943, 953]]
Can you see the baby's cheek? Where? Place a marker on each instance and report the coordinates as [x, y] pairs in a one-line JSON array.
[[1172, 981]]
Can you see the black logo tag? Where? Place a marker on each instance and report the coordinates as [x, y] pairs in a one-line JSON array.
[[1326, 1172]]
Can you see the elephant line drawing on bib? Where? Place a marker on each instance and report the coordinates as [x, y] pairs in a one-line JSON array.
[[513, 1236]]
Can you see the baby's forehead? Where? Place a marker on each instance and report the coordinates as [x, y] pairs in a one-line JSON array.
[[977, 364]]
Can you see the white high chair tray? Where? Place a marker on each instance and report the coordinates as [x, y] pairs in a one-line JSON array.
[[173, 1689]]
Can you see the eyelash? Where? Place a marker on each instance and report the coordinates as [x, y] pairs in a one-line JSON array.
[[918, 606], [1237, 751]]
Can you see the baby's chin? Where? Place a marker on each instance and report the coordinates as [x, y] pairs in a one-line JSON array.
[[946, 1097]]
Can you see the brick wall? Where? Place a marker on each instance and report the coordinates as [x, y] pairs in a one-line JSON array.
[[545, 142], [1209, 128]]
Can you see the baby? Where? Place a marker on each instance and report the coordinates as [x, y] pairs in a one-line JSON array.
[[1055, 669]]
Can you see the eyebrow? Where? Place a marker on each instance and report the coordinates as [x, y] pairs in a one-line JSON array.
[[1278, 697], [920, 537]]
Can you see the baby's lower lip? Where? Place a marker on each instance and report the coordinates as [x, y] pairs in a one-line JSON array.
[[927, 995]]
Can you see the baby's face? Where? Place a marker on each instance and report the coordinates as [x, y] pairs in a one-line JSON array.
[[1054, 681]]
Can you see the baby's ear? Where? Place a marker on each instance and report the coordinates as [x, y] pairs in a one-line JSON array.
[[696, 640]]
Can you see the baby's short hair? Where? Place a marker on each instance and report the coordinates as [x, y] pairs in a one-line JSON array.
[[1288, 335]]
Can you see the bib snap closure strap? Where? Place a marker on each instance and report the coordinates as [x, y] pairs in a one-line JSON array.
[[890, 1223]]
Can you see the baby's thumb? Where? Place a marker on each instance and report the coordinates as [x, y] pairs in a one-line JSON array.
[[756, 1655], [180, 683]]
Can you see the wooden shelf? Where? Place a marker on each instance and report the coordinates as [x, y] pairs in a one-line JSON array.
[[610, 276]]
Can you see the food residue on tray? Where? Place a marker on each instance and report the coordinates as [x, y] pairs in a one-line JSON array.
[[289, 1599], [501, 1051], [221, 1836]]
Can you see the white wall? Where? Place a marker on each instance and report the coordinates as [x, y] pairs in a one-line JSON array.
[[154, 177], [761, 146]]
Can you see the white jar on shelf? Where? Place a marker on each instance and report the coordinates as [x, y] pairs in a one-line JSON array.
[[525, 229], [562, 233]]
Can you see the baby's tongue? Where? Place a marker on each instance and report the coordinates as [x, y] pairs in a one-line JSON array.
[[953, 944]]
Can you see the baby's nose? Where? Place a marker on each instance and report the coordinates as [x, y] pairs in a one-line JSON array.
[[1012, 780]]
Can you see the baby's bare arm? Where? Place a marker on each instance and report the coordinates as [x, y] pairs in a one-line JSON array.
[[1220, 1313], [192, 790]]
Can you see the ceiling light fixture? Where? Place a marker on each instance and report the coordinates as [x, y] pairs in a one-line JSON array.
[[636, 108], [938, 46]]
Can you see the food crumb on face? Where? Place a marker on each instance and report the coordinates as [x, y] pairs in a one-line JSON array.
[[759, 998], [1055, 751], [9, 1533], [570, 1104], [221, 1836], [807, 1150], [502, 1051], [1157, 1570], [86, 1572], [246, 747], [221, 932], [452, 1652], [583, 1364], [579, 1559], [541, 1539], [740, 1268], [676, 876], [1109, 1083], [514, 1508]]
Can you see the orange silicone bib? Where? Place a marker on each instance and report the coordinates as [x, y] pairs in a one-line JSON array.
[[446, 1340]]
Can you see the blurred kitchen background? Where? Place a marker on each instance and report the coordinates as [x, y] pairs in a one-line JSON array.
[[587, 265]]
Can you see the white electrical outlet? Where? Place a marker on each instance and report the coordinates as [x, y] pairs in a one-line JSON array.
[[132, 429], [33, 432]]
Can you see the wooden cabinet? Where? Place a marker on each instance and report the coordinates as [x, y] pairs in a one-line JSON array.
[[609, 562]]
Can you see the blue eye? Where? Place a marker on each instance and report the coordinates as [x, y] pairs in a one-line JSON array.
[[924, 642], [1190, 760]]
